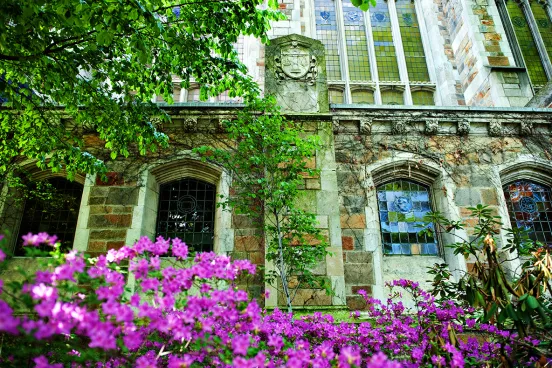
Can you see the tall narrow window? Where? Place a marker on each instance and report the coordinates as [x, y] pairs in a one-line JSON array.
[[528, 26], [382, 48], [530, 207], [402, 207], [187, 211], [56, 216]]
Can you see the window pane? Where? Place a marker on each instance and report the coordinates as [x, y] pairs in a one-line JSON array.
[[527, 44], [326, 31], [405, 203], [357, 46], [412, 41], [336, 96], [530, 207], [386, 58], [187, 211], [392, 97], [363, 97], [57, 216], [193, 95], [423, 98]]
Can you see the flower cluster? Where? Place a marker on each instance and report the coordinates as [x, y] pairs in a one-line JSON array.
[[188, 312]]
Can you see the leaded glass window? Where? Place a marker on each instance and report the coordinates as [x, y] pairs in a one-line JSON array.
[[56, 216], [373, 51], [528, 26], [187, 211], [402, 206], [530, 208]]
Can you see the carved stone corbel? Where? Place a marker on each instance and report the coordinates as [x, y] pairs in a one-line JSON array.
[[335, 126], [495, 128], [431, 127], [365, 126], [190, 125], [399, 127], [463, 127], [526, 128]]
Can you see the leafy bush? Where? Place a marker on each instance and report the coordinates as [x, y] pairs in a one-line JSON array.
[[523, 301], [188, 313]]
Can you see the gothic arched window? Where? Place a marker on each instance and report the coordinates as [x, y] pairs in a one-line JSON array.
[[56, 216], [375, 50], [402, 206], [187, 211], [530, 207]]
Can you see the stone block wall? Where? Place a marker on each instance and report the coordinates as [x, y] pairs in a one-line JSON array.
[[111, 208]]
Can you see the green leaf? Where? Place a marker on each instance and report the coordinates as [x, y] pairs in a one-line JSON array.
[[532, 302]]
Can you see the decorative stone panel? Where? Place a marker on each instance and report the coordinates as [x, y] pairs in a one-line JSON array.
[[296, 74]]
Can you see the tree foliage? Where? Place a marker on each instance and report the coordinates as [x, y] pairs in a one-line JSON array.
[[268, 163], [69, 67]]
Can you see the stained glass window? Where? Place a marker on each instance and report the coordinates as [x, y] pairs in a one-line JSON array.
[[187, 211], [402, 207], [363, 97], [336, 96], [392, 97], [527, 44], [422, 97], [412, 41], [326, 31], [57, 216], [370, 42], [530, 207], [357, 46], [388, 69]]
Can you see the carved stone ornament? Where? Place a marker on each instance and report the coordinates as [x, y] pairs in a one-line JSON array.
[[296, 62], [190, 124], [526, 128], [399, 127], [431, 127], [463, 127], [495, 128], [365, 126]]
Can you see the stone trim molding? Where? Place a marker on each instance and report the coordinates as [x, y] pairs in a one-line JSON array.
[[414, 170]]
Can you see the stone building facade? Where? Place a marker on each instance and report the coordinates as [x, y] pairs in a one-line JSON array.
[[420, 106]]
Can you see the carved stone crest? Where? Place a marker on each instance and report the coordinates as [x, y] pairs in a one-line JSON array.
[[296, 62], [463, 127], [495, 128], [365, 126], [431, 127]]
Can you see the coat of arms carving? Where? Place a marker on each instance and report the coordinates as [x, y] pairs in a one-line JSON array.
[[296, 63]]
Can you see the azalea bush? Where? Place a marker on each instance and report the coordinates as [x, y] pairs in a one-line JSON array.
[[186, 311]]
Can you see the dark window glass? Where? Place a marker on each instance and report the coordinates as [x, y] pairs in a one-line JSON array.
[[530, 207], [402, 207], [187, 211], [57, 216]]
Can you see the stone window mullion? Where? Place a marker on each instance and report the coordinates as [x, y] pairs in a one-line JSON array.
[[343, 49], [397, 40], [372, 55], [525, 7]]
